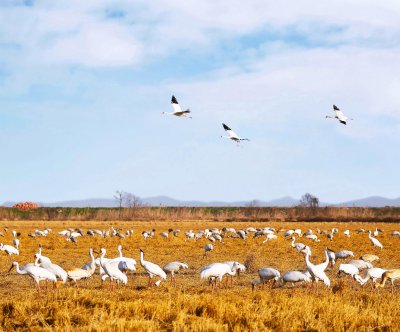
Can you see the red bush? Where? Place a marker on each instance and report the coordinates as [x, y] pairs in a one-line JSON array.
[[26, 206]]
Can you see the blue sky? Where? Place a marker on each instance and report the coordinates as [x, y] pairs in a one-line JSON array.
[[83, 85]]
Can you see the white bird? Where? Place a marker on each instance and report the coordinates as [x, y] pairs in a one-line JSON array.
[[374, 274], [124, 263], [270, 237], [43, 258], [295, 276], [242, 234], [298, 246], [152, 269], [396, 233], [232, 135], [316, 272], [177, 109], [16, 243], [342, 254], [112, 270], [10, 250], [376, 232], [349, 269], [265, 275], [207, 248], [339, 115], [313, 237], [36, 273], [375, 242], [85, 272], [216, 272], [174, 267], [57, 270], [289, 232], [360, 264], [347, 233]]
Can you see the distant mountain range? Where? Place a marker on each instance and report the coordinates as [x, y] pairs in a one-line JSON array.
[[373, 201]]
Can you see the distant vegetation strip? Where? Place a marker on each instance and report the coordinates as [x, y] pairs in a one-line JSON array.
[[337, 214]]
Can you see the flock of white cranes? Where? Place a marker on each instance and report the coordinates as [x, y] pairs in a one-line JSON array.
[[177, 111], [116, 269]]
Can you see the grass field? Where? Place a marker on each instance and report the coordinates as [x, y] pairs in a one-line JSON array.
[[192, 305]]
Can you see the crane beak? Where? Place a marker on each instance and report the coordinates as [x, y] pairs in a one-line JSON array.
[[10, 268]]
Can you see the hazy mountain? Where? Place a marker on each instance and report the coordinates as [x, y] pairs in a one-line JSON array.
[[373, 201]]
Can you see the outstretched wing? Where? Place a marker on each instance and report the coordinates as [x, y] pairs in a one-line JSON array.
[[175, 105], [342, 118], [230, 132]]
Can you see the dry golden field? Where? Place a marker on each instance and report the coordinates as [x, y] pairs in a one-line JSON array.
[[192, 305]]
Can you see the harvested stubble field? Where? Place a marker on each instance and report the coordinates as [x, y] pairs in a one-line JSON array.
[[192, 305]]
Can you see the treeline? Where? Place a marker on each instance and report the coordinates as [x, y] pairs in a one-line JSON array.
[[338, 214]]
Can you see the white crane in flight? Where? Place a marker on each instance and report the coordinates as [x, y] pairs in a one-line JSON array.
[[232, 135], [177, 109], [339, 115]]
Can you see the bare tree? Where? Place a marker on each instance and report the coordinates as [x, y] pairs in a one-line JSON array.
[[309, 200], [119, 197], [253, 203], [132, 201]]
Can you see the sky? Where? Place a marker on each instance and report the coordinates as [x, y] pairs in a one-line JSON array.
[[83, 85]]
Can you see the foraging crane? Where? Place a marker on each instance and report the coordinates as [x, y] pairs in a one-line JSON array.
[[316, 272], [347, 233], [295, 276], [369, 258], [349, 269], [360, 264], [152, 270], [373, 274], [375, 242], [177, 109], [36, 273], [174, 267], [216, 272], [112, 270], [85, 272], [391, 275], [232, 135], [342, 254], [266, 275], [207, 248], [242, 234], [339, 115], [269, 237], [313, 237], [10, 250], [57, 270], [236, 267], [396, 233]]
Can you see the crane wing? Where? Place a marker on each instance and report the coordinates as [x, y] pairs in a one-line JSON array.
[[230, 132], [339, 114], [175, 105]]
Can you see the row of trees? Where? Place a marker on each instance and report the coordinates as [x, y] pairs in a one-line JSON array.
[[130, 200]]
